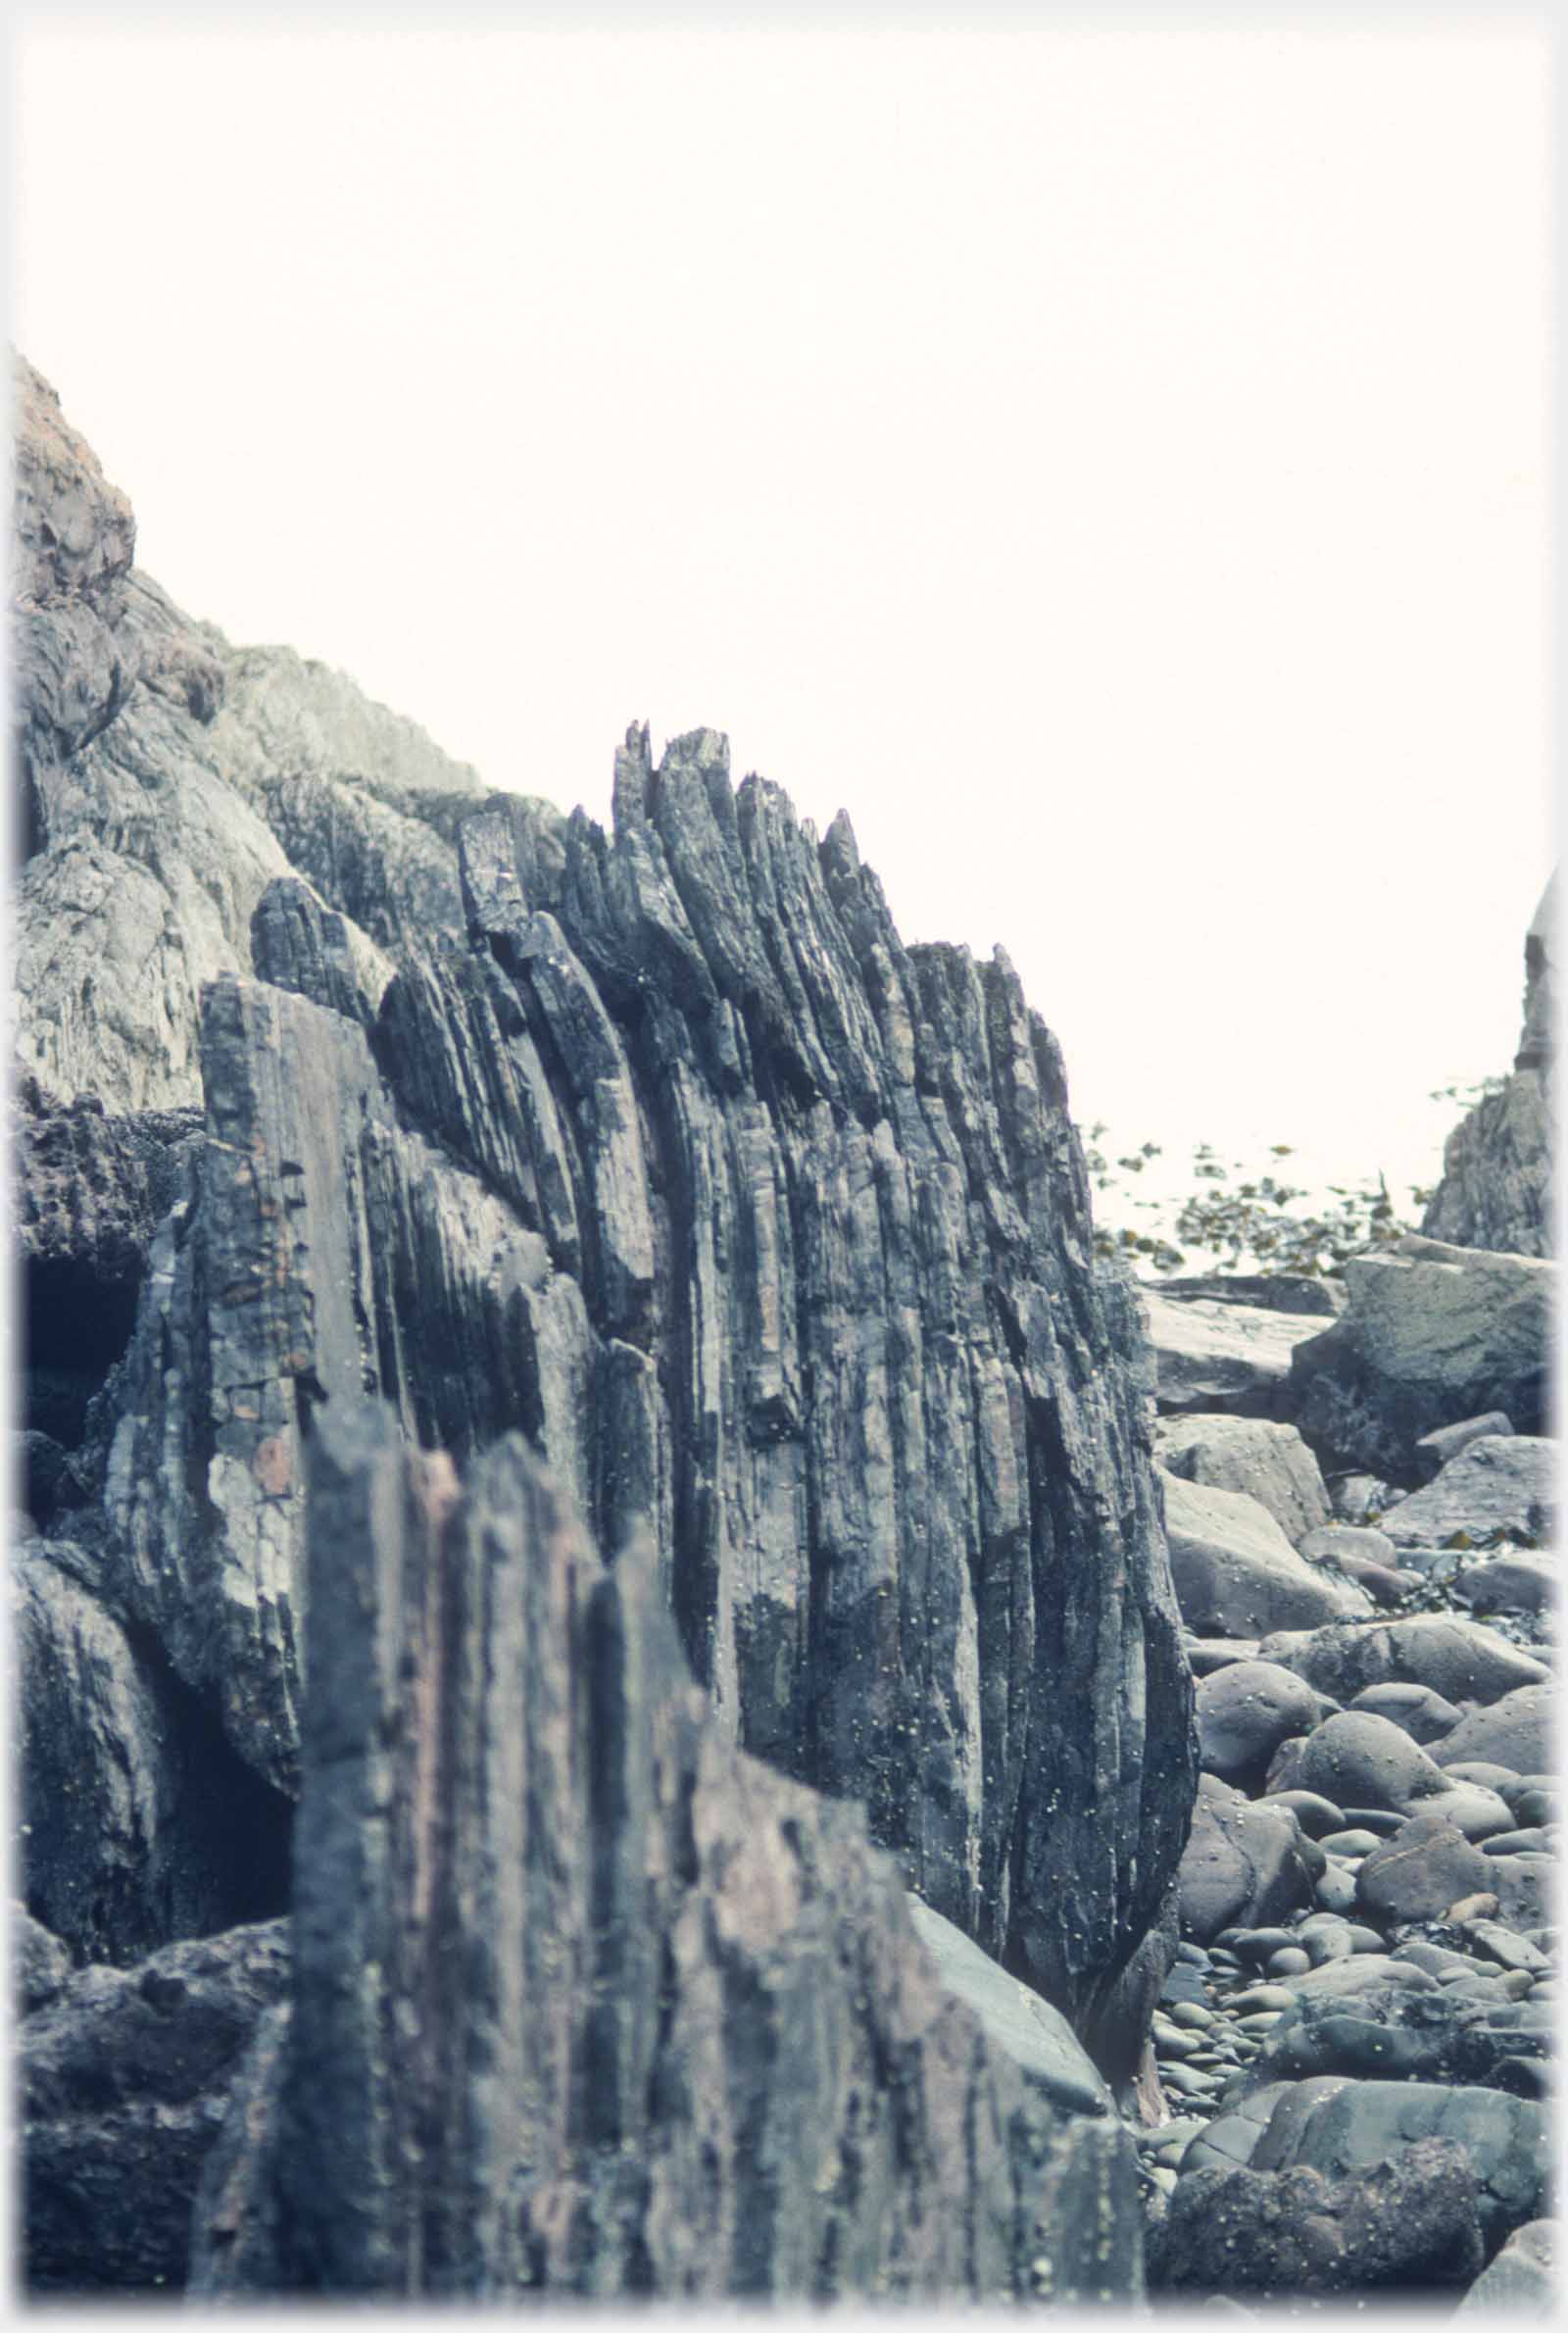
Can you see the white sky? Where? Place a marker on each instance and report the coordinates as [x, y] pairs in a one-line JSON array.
[[1107, 455]]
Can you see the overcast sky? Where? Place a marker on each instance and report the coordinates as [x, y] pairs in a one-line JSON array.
[[1107, 455]]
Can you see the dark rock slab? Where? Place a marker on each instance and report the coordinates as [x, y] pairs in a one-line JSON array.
[[138, 1824], [588, 2002], [123, 2079], [298, 944]]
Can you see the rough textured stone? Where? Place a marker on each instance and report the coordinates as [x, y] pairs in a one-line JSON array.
[[856, 1379], [1434, 1451], [1234, 1571], [1431, 1333], [138, 1823], [298, 944], [40, 1962], [1270, 1462], [123, 2079], [1338, 2127], [1495, 1190], [1461, 1659], [750, 2080], [1509, 1583], [1409, 2222], [1499, 1484]]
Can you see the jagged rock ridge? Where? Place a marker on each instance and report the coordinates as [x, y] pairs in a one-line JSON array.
[[659, 1145]]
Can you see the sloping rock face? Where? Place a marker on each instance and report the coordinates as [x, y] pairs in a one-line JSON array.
[[750, 2081], [1495, 1190], [657, 1145], [1431, 1334]]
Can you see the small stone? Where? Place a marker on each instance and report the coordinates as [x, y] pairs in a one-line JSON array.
[[1471, 1907], [1291, 1961], [1190, 2015]]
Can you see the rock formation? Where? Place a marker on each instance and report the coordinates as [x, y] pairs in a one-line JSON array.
[[1496, 1186], [748, 2081], [656, 1146]]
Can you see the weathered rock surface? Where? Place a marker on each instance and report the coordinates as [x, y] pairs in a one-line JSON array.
[[1234, 1571], [1431, 1333], [139, 1824], [123, 2079], [1503, 1483], [1268, 1462], [1495, 1190], [1224, 1358], [1410, 2222], [1245, 1710], [835, 1343], [1338, 2127], [585, 2001], [40, 1962], [1462, 1659]]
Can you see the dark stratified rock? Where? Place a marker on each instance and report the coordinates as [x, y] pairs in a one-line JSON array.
[[1495, 1190], [774, 1236], [138, 1822], [1431, 1334], [1406, 2225], [586, 2000], [298, 944], [123, 2079]]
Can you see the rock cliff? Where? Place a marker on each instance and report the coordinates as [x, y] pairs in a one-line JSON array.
[[1496, 1186], [654, 1145]]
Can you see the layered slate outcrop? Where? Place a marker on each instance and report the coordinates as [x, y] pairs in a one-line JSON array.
[[348, 1082], [776, 1244], [750, 2081]]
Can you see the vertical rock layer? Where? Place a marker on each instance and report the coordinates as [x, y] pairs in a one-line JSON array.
[[584, 2000], [657, 1145]]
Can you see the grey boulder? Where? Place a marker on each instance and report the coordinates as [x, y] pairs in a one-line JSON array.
[[1234, 1571], [1244, 1864], [1213, 1357], [1515, 1732], [1460, 1659], [123, 2079], [1245, 1709], [1338, 2126], [1431, 1333], [1500, 1484], [1267, 1460], [1523, 2279]]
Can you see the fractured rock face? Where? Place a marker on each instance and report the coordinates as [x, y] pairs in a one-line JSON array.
[[837, 1346], [585, 2000]]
